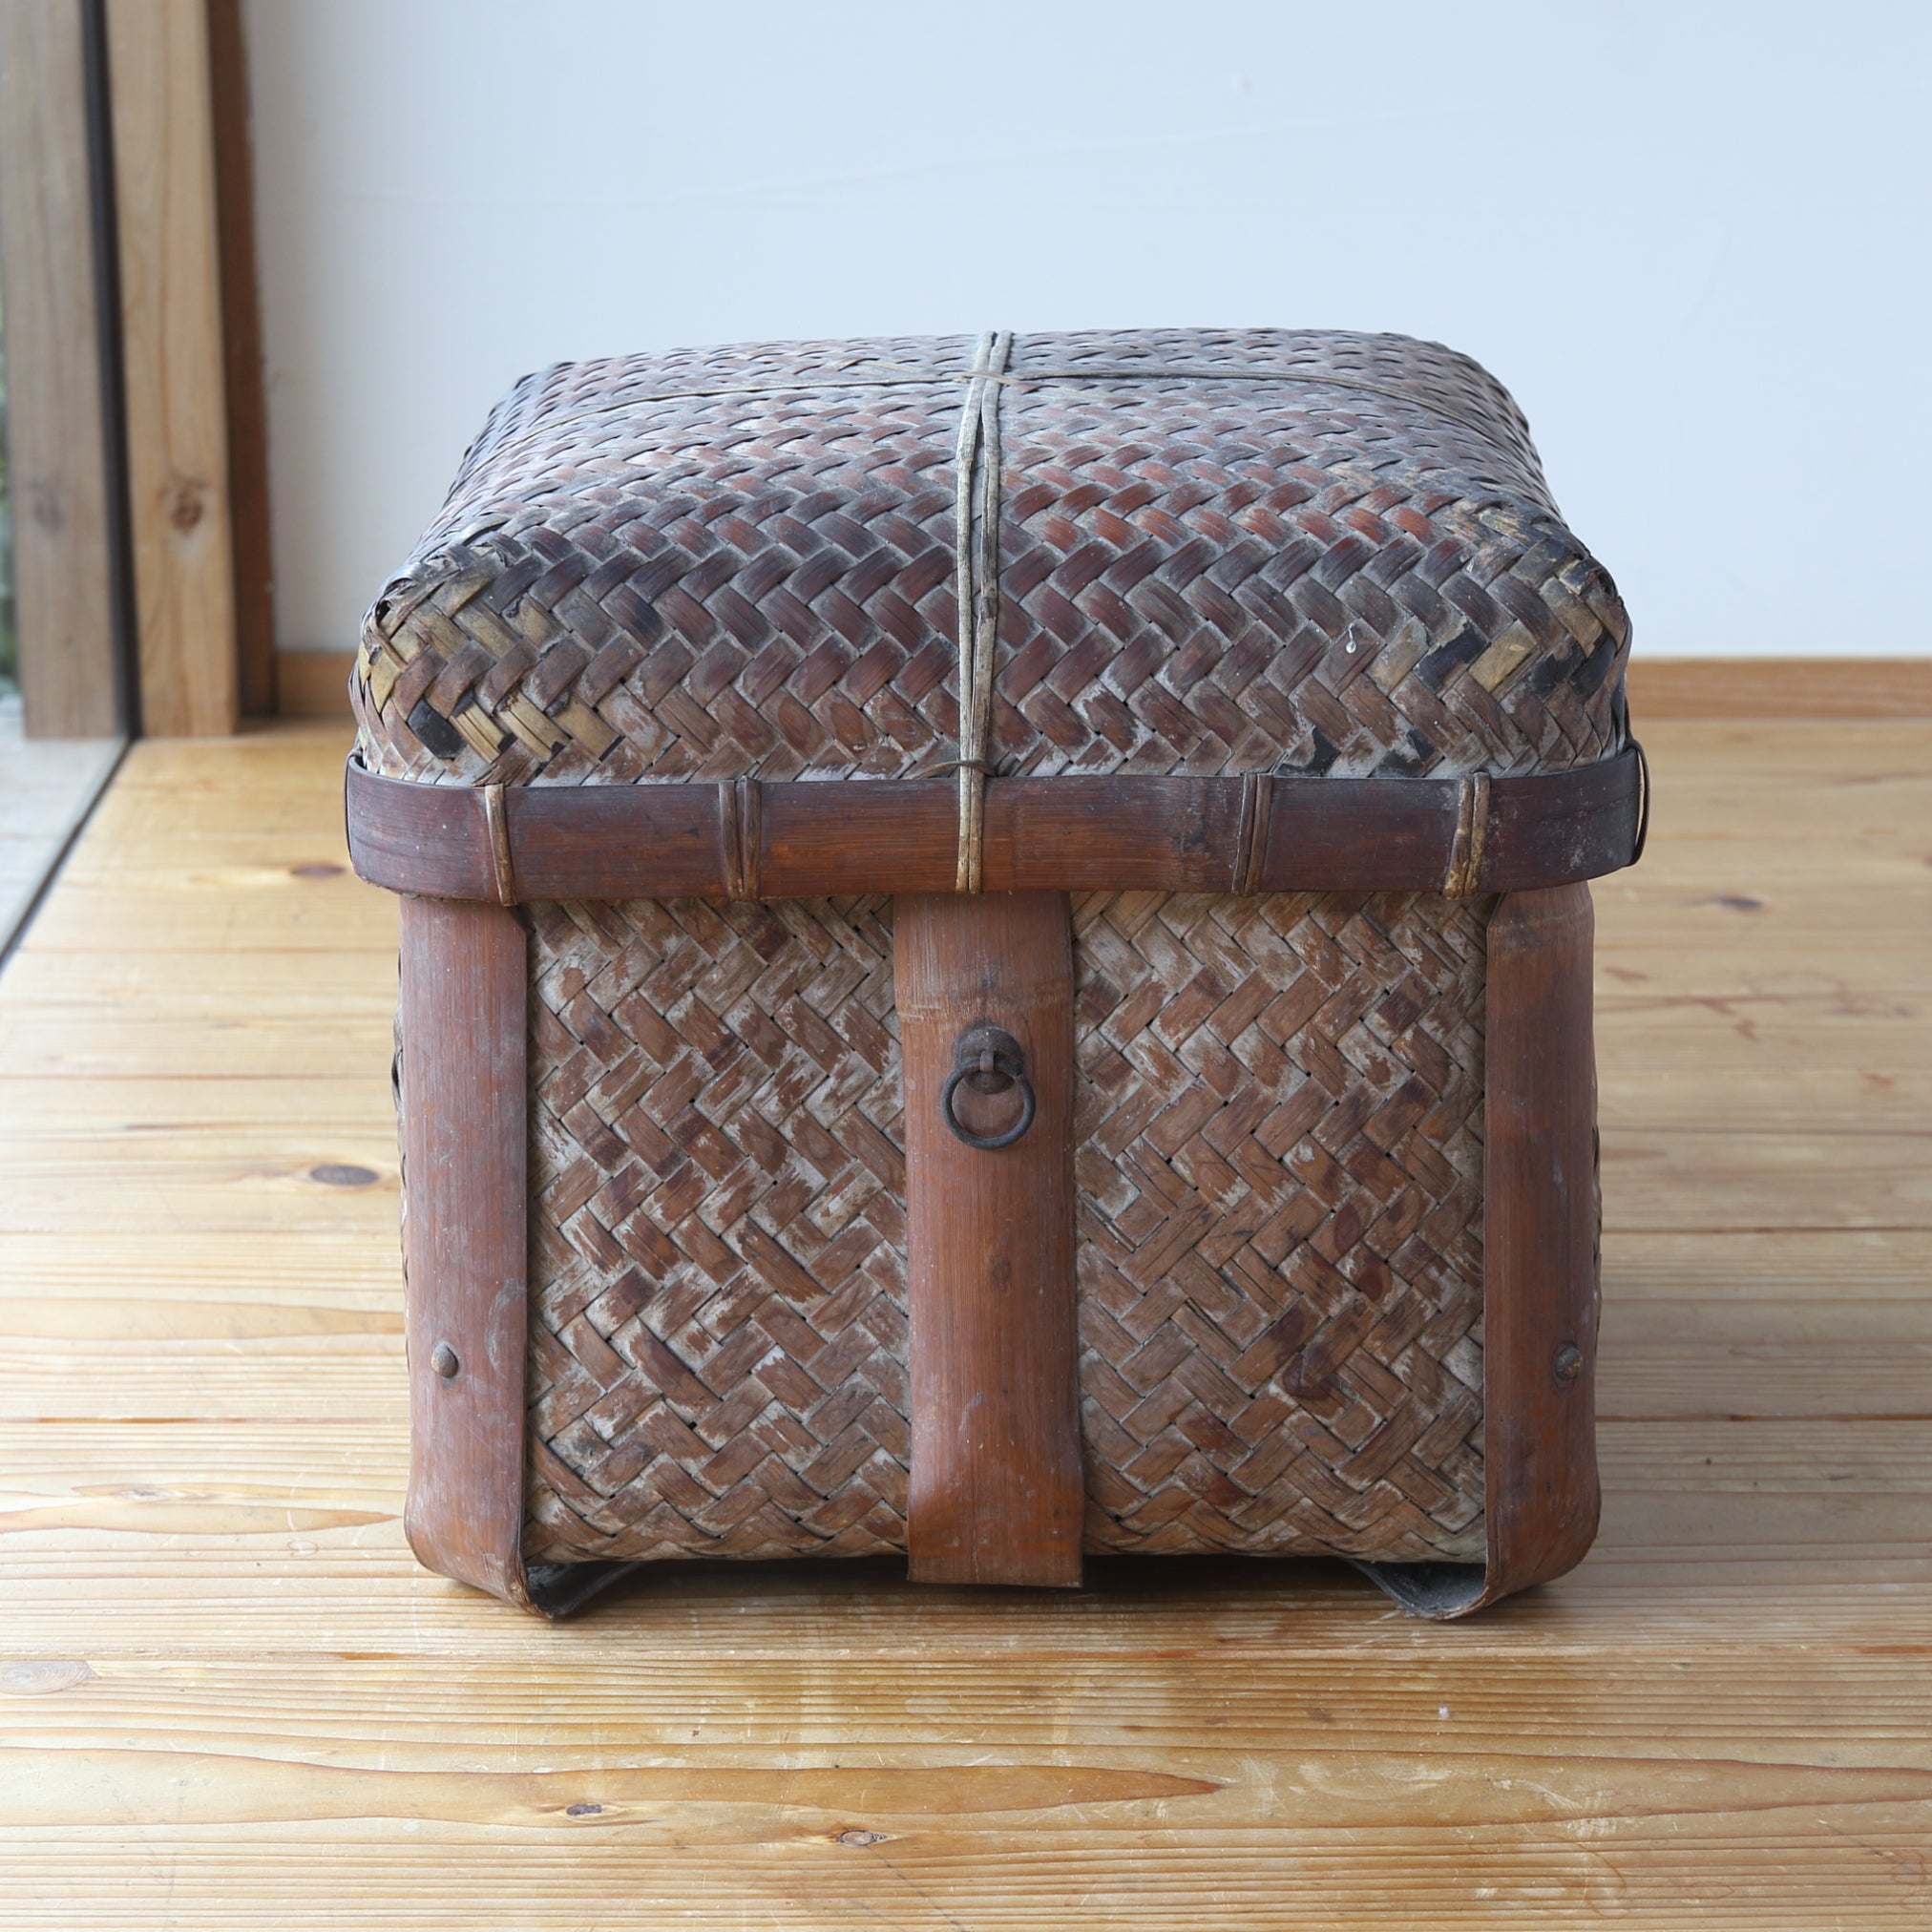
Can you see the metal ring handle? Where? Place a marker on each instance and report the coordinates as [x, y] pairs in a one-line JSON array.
[[991, 1059], [1643, 803]]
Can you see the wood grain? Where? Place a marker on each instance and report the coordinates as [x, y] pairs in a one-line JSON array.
[[997, 1493], [175, 368], [208, 1610], [313, 684], [56, 431], [1820, 688]]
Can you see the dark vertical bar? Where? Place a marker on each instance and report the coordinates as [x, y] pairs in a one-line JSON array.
[[248, 505], [113, 385]]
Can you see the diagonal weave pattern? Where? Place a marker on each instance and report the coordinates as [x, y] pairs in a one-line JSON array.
[[718, 1245], [1280, 1257], [1357, 571], [1280, 1170]]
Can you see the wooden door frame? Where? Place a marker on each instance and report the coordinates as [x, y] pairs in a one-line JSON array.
[[63, 428], [136, 425]]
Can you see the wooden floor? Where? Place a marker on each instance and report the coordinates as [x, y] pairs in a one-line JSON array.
[[46, 786], [229, 1698]]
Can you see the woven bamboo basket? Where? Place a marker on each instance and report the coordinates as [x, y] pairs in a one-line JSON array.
[[1224, 721]]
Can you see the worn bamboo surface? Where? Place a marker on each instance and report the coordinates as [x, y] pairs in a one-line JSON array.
[[228, 1697]]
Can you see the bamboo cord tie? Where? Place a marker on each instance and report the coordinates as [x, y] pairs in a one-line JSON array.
[[976, 522], [497, 816], [1250, 844], [1472, 830]]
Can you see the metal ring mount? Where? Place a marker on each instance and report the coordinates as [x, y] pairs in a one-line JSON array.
[[990, 1060]]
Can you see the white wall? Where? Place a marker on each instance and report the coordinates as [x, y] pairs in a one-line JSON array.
[[1692, 237]]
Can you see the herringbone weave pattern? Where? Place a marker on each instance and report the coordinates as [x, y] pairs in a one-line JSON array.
[[718, 1206], [1280, 1259], [1280, 1187], [740, 563]]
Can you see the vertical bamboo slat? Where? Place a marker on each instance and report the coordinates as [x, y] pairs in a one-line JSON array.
[[996, 1492], [1541, 1285], [465, 1123]]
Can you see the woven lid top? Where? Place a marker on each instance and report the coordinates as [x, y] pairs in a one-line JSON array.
[[1180, 550]]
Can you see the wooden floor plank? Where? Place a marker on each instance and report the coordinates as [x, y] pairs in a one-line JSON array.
[[255, 1048], [1826, 1267], [1742, 1181], [327, 1269], [228, 1696], [1850, 1866], [1773, 750]]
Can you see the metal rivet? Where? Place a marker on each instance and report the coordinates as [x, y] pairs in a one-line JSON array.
[[444, 1361], [1568, 1364]]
